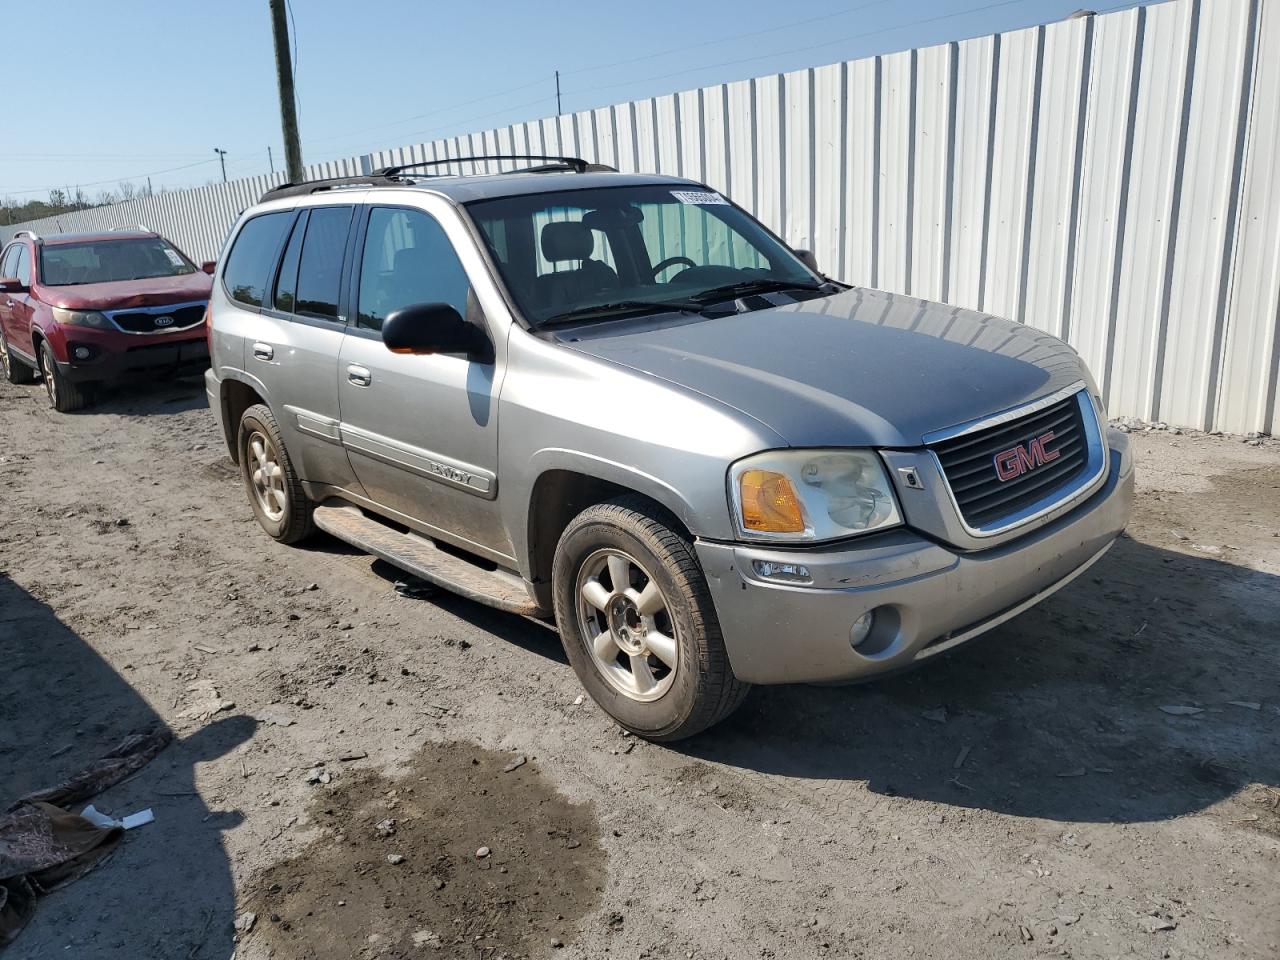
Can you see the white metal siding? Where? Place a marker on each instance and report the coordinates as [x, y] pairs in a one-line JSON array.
[[1114, 180]]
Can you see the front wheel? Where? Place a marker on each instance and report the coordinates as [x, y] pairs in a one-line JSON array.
[[637, 622], [64, 396], [274, 488]]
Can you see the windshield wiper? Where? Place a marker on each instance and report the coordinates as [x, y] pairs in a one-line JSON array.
[[617, 308], [759, 285]]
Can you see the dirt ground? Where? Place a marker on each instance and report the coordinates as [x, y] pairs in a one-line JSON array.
[[1029, 795]]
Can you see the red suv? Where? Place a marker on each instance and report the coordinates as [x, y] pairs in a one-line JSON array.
[[84, 308]]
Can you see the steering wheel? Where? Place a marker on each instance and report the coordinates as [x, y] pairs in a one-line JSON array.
[[671, 262]]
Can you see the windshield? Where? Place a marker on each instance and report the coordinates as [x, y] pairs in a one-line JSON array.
[[578, 255], [103, 261]]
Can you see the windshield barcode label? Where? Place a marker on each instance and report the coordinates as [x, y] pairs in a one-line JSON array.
[[698, 196]]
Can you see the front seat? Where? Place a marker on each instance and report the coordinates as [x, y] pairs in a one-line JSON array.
[[568, 241]]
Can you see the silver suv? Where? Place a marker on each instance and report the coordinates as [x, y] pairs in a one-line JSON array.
[[623, 402]]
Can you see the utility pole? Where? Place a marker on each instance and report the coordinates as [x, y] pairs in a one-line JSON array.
[[270, 162], [288, 103], [222, 158], [558, 110], [148, 186]]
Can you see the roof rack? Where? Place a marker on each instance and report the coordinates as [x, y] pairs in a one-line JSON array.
[[549, 163], [29, 233], [136, 226], [391, 176]]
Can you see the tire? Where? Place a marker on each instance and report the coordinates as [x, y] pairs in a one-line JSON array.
[[15, 371], [610, 633], [270, 480], [64, 396]]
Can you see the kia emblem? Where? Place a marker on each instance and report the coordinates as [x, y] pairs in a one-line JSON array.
[[1023, 458], [164, 321]]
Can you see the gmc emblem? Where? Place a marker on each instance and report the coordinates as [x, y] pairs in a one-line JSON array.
[[1024, 458]]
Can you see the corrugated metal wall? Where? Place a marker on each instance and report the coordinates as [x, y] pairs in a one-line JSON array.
[[1112, 180]]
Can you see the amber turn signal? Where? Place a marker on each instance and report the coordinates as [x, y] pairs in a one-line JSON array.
[[769, 503]]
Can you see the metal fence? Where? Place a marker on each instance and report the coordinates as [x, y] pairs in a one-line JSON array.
[[1112, 180]]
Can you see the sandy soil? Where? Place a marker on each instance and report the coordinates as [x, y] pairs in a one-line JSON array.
[[1026, 796]]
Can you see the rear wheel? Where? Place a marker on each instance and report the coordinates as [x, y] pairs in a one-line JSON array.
[[15, 371], [638, 624], [64, 396], [274, 488]]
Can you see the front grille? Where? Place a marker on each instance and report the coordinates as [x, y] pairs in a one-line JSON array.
[[969, 463], [144, 321]]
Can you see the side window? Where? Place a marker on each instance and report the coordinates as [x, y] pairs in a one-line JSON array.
[[253, 255], [9, 263], [23, 270], [407, 259], [285, 297], [320, 263]]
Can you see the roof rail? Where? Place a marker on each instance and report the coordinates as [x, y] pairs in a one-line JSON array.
[[136, 226], [390, 176], [29, 233], [577, 164]]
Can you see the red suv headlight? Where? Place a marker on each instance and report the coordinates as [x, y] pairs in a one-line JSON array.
[[82, 318]]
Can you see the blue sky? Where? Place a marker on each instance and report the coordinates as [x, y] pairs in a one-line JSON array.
[[121, 90]]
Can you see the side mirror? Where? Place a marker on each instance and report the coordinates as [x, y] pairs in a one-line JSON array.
[[808, 259], [426, 328], [12, 285], [209, 266]]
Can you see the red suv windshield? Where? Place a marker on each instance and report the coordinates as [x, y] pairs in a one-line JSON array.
[[104, 261]]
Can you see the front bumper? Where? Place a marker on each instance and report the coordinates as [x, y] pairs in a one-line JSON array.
[[172, 357], [927, 597]]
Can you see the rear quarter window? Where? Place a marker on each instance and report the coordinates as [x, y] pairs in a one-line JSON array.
[[252, 256]]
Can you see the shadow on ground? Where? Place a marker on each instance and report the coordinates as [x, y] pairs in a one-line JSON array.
[[146, 397], [1057, 714], [167, 891]]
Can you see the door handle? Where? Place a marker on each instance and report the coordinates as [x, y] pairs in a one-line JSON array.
[[264, 351], [360, 376]]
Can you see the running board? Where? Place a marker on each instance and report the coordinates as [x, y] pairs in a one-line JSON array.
[[419, 556]]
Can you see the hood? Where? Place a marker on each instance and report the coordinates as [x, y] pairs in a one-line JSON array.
[[153, 292], [862, 367]]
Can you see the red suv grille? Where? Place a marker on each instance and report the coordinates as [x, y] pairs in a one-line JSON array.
[[144, 321]]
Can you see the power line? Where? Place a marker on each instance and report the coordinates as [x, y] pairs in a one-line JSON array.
[[812, 46], [737, 36], [430, 113], [579, 70], [710, 66], [293, 30], [97, 156], [98, 183]]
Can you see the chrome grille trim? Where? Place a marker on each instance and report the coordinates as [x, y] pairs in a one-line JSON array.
[[161, 311], [1060, 499]]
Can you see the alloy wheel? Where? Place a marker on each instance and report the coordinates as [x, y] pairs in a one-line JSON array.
[[626, 622], [46, 372], [267, 476]]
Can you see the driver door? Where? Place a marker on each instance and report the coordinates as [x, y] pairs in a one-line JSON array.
[[421, 431]]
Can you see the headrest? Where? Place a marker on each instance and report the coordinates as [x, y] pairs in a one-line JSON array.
[[567, 240]]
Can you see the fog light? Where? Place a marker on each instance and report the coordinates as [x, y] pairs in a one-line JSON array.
[[81, 353], [861, 628], [790, 572]]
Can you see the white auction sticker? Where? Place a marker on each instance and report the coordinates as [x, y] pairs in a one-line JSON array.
[[173, 257], [698, 197]]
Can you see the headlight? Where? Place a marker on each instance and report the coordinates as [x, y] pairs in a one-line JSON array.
[[82, 318], [811, 495]]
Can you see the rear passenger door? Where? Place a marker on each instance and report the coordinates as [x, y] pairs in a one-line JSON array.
[[295, 344], [8, 268], [20, 309]]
